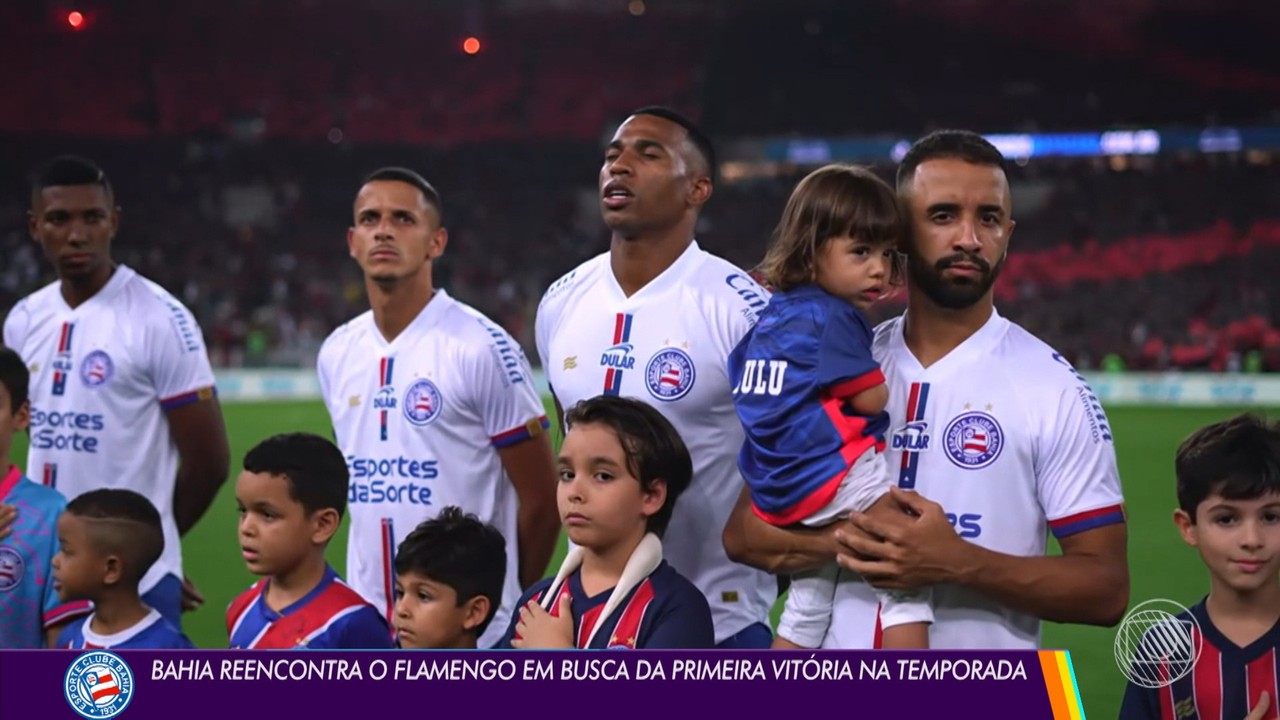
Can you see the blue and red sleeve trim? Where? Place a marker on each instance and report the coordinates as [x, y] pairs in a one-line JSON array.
[[1087, 520], [531, 429], [204, 393], [67, 611]]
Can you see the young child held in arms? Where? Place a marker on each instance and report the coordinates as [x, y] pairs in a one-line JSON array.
[[622, 467], [810, 395], [109, 539], [449, 575], [31, 615], [1228, 477], [291, 496]]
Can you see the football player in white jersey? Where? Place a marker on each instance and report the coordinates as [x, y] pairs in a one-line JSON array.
[[1003, 440], [656, 318], [433, 405], [122, 393]]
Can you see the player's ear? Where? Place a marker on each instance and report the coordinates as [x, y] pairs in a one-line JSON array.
[[22, 418], [655, 496], [475, 611], [325, 523], [1186, 527], [112, 569], [700, 191], [351, 242], [439, 240]]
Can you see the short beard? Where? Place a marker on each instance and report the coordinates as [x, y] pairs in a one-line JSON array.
[[384, 279], [959, 294]]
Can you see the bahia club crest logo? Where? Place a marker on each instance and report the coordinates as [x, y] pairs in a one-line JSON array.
[[422, 402], [973, 440], [98, 685], [670, 374], [96, 369], [12, 568]]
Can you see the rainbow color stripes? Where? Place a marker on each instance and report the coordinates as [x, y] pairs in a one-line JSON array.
[[1060, 681]]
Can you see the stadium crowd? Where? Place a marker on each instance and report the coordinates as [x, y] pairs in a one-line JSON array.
[[1165, 266], [236, 172]]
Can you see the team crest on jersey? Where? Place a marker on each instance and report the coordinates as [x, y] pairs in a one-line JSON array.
[[12, 568], [974, 440], [670, 374], [422, 402], [98, 684], [96, 369]]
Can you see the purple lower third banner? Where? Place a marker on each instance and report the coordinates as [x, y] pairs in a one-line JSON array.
[[152, 685]]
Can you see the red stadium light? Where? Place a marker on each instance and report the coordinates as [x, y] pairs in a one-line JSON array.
[[471, 45], [75, 20]]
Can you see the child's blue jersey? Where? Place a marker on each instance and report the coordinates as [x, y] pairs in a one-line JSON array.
[[331, 616], [664, 611], [28, 603], [792, 376], [152, 632], [1226, 681]]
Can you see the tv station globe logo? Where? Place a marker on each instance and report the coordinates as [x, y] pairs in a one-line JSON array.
[[98, 685], [1158, 643]]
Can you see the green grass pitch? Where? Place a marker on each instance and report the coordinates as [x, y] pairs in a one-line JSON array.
[[1162, 567]]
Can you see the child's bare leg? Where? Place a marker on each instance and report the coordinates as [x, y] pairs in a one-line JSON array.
[[806, 613]]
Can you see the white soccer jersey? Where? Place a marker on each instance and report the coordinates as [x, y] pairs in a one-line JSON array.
[[1012, 442], [420, 420], [102, 377], [668, 344]]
